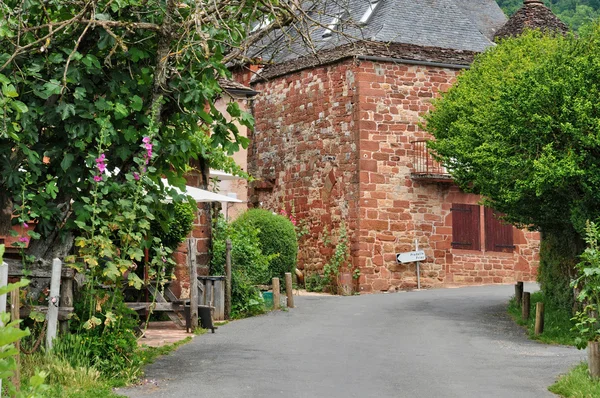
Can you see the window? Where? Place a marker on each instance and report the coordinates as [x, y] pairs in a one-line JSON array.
[[369, 13], [498, 235], [465, 227], [332, 25]]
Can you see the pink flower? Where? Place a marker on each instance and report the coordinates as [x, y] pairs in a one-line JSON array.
[[24, 239], [25, 225], [283, 212], [97, 178], [146, 140], [136, 176], [101, 163]]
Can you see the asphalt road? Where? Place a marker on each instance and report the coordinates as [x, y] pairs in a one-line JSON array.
[[436, 343]]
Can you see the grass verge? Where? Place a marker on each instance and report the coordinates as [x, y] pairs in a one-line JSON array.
[[557, 330], [557, 322], [67, 381], [576, 384]]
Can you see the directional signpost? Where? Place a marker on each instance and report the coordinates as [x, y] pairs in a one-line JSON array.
[[411, 257]]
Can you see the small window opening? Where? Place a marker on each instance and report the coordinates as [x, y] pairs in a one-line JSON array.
[[332, 25], [369, 13]]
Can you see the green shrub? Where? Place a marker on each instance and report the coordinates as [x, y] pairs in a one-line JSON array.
[[277, 237], [110, 346], [249, 266], [559, 251], [174, 223]]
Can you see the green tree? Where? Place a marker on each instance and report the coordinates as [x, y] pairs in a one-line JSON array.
[[522, 128], [74, 73]]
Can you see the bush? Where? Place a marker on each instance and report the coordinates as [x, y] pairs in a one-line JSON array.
[[174, 224], [250, 266], [277, 236], [109, 344], [559, 253]]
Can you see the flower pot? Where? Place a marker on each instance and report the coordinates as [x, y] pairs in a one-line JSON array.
[[594, 358]]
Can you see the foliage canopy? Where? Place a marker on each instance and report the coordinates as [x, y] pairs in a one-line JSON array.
[[71, 70], [522, 128]]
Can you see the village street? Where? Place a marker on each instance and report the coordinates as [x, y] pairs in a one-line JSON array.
[[436, 343]]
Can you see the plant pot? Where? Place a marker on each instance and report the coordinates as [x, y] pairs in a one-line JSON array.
[[593, 350]]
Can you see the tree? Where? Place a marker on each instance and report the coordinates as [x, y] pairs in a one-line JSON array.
[[85, 80], [522, 128]]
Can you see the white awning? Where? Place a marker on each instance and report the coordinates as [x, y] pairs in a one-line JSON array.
[[221, 175], [201, 195]]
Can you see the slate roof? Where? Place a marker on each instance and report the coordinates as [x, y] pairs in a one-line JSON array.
[[462, 25], [533, 15]]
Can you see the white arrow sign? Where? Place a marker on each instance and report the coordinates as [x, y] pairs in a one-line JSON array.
[[410, 257]]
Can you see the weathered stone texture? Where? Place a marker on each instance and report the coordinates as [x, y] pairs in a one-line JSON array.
[[304, 151], [335, 143]]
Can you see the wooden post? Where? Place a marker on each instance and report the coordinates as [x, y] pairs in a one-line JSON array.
[[539, 318], [519, 292], [526, 305], [288, 290], [193, 283], [594, 359], [53, 303], [15, 304], [219, 300], [3, 282], [66, 300], [228, 279], [276, 297]]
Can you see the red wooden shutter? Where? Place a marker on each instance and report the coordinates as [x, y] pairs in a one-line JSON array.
[[498, 235], [465, 226]]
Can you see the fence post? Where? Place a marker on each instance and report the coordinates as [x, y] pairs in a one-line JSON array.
[[3, 282], [66, 300], [53, 302], [193, 283], [288, 290], [228, 279], [539, 318], [15, 315], [526, 305], [276, 297], [519, 292]]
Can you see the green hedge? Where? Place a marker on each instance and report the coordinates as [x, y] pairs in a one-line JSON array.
[[174, 223], [559, 252], [277, 237]]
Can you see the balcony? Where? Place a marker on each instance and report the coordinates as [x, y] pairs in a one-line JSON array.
[[425, 167]]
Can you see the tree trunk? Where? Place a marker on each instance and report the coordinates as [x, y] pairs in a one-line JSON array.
[[6, 207], [594, 359]]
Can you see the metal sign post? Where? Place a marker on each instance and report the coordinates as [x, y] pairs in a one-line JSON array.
[[418, 266], [411, 257]]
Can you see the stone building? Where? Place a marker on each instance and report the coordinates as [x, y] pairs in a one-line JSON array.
[[338, 143]]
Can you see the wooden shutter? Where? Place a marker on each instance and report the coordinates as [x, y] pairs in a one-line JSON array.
[[465, 227], [498, 235]]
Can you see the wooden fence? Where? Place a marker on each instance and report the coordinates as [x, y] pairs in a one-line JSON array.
[[211, 292]]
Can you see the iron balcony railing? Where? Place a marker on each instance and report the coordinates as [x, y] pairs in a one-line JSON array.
[[424, 165]]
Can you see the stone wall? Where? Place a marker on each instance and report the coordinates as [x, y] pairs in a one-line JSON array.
[[335, 144], [304, 152]]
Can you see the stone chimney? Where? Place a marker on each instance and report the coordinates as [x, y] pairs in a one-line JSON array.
[[532, 15]]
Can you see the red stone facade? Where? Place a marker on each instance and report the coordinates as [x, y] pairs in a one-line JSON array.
[[334, 144]]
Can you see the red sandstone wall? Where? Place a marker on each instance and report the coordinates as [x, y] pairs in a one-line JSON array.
[[304, 151], [395, 209], [334, 144]]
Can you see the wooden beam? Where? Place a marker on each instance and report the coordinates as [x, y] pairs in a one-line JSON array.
[[53, 303]]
